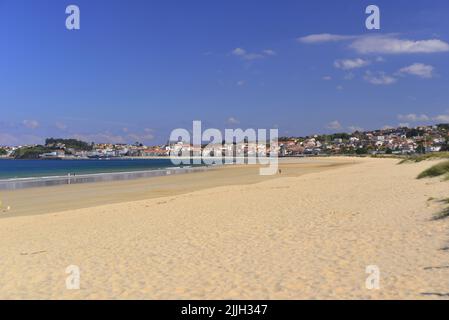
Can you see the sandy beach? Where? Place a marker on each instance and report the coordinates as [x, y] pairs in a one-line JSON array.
[[308, 233]]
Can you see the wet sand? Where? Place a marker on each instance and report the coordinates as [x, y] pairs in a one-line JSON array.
[[75, 196]]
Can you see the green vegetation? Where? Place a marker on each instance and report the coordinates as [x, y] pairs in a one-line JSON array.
[[415, 132], [361, 151], [427, 156], [387, 156], [347, 150], [2, 152], [443, 213], [30, 152], [435, 171], [420, 149], [326, 138], [342, 135], [51, 145], [68, 144], [443, 126]]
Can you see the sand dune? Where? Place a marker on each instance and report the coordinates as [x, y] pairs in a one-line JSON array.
[[289, 237]]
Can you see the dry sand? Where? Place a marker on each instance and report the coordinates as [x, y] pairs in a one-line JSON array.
[[292, 236]]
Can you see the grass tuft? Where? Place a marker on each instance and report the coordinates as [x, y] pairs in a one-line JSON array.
[[427, 156], [435, 171], [442, 215], [445, 200]]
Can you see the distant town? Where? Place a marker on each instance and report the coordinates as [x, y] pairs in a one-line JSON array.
[[393, 141]]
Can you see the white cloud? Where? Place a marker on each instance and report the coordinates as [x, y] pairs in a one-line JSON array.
[[60, 125], [355, 128], [269, 52], [340, 87], [243, 54], [388, 44], [412, 117], [7, 139], [404, 125], [253, 56], [324, 37], [442, 118], [379, 78], [147, 136], [108, 137], [30, 124], [232, 120], [103, 137], [239, 52], [327, 78], [348, 64], [241, 83], [140, 138], [418, 69], [349, 76], [334, 125], [391, 45]]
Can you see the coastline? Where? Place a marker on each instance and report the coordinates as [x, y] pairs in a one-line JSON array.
[[41, 200], [34, 182]]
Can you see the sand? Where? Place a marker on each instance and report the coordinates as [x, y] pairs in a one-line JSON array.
[[76, 196], [292, 236]]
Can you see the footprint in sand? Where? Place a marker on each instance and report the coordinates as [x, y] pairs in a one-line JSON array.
[[32, 253]]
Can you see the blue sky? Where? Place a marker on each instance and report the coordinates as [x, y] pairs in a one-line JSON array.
[[138, 69]]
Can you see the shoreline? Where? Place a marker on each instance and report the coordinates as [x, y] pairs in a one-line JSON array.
[[40, 200], [34, 182]]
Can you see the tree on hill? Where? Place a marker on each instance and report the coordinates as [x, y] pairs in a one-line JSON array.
[[420, 149], [445, 146], [30, 152], [361, 151], [68, 144], [343, 136], [414, 133]]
